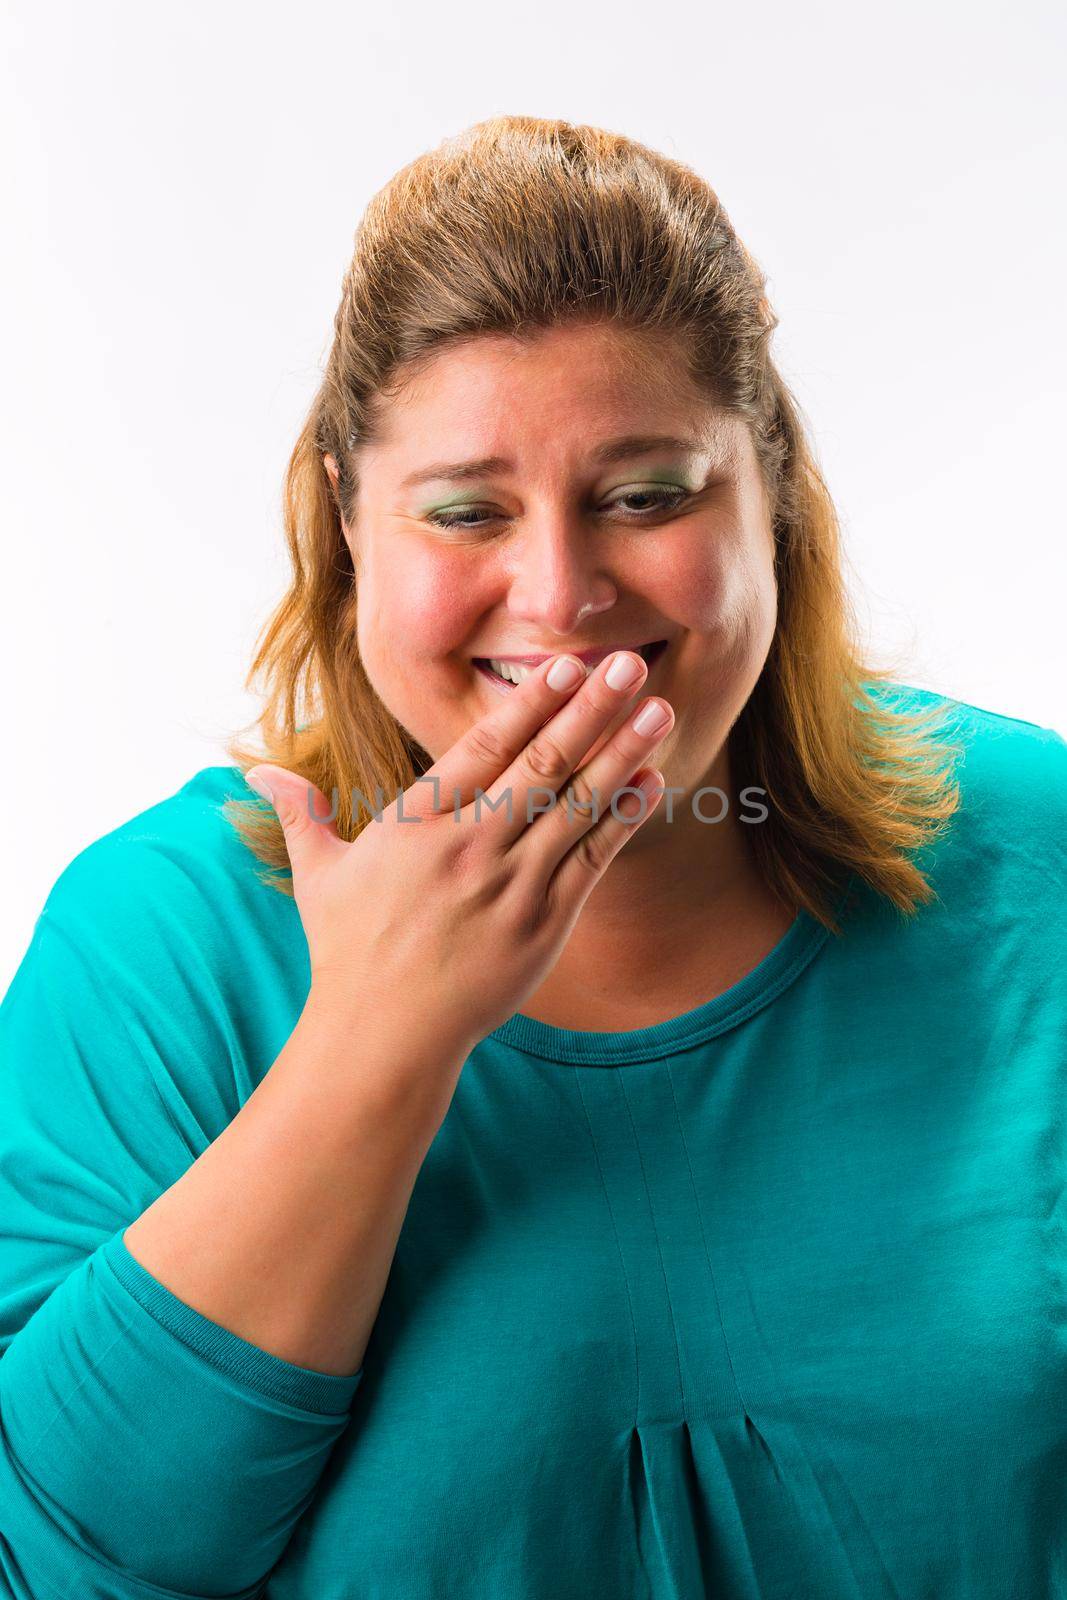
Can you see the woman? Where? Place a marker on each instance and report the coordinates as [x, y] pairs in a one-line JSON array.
[[630, 1160]]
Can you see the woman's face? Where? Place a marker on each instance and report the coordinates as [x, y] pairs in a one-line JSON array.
[[566, 540]]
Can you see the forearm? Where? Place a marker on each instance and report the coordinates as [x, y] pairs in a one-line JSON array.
[[284, 1230]]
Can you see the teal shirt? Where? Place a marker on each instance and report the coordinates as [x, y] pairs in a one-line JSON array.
[[766, 1301]]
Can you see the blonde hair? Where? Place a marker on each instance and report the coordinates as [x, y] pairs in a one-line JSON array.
[[516, 225]]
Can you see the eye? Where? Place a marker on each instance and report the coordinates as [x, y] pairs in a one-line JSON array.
[[664, 497], [454, 517]]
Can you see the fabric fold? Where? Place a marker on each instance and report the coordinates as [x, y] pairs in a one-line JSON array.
[[146, 1450], [217, 1448]]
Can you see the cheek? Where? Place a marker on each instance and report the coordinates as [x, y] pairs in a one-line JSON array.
[[725, 593], [411, 611], [699, 583], [749, 610]]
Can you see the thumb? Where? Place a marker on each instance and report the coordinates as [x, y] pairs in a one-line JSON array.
[[306, 816]]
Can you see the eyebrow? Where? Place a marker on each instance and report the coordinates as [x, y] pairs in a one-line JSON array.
[[620, 449]]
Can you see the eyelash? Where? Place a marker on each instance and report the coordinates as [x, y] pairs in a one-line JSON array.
[[669, 499]]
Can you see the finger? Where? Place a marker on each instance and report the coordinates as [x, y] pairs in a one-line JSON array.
[[591, 853], [306, 817], [477, 760], [547, 760], [586, 801]]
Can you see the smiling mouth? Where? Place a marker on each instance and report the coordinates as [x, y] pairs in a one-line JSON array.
[[650, 653]]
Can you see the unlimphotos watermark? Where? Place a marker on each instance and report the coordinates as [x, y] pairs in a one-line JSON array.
[[535, 808]]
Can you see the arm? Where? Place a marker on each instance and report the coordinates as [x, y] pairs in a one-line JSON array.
[[117, 1103], [303, 1195]]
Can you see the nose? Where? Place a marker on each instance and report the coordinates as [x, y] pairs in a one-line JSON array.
[[556, 575]]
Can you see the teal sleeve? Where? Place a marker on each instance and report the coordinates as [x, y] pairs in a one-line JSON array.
[[144, 1450]]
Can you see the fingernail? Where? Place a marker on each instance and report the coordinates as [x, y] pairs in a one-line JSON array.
[[260, 785], [623, 671], [650, 717], [564, 673]]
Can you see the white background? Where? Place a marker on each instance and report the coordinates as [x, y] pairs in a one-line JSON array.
[[180, 187]]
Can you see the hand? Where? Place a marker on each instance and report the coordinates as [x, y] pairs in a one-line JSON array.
[[456, 913]]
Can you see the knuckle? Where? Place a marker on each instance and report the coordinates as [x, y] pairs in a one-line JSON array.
[[592, 851], [486, 744], [543, 758], [530, 912], [293, 817], [582, 792], [603, 700], [481, 874], [464, 857]]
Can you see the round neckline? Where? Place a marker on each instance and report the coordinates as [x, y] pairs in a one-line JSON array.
[[781, 965]]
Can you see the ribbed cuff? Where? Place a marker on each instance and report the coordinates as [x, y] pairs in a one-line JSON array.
[[323, 1392]]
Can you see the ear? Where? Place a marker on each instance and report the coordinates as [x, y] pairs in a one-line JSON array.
[[330, 463]]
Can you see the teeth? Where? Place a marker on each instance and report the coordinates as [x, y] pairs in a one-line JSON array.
[[514, 673], [511, 670]]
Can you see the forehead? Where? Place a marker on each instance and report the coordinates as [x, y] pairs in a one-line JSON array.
[[597, 375]]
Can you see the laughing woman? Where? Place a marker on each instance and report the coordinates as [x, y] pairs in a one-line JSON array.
[[594, 1121]]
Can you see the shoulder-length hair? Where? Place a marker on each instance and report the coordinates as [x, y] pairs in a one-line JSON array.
[[516, 225]]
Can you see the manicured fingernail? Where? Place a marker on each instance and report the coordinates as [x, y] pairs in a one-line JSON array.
[[650, 717], [564, 673], [623, 671]]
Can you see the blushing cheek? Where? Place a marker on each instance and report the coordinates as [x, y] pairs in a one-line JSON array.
[[434, 609], [410, 618]]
